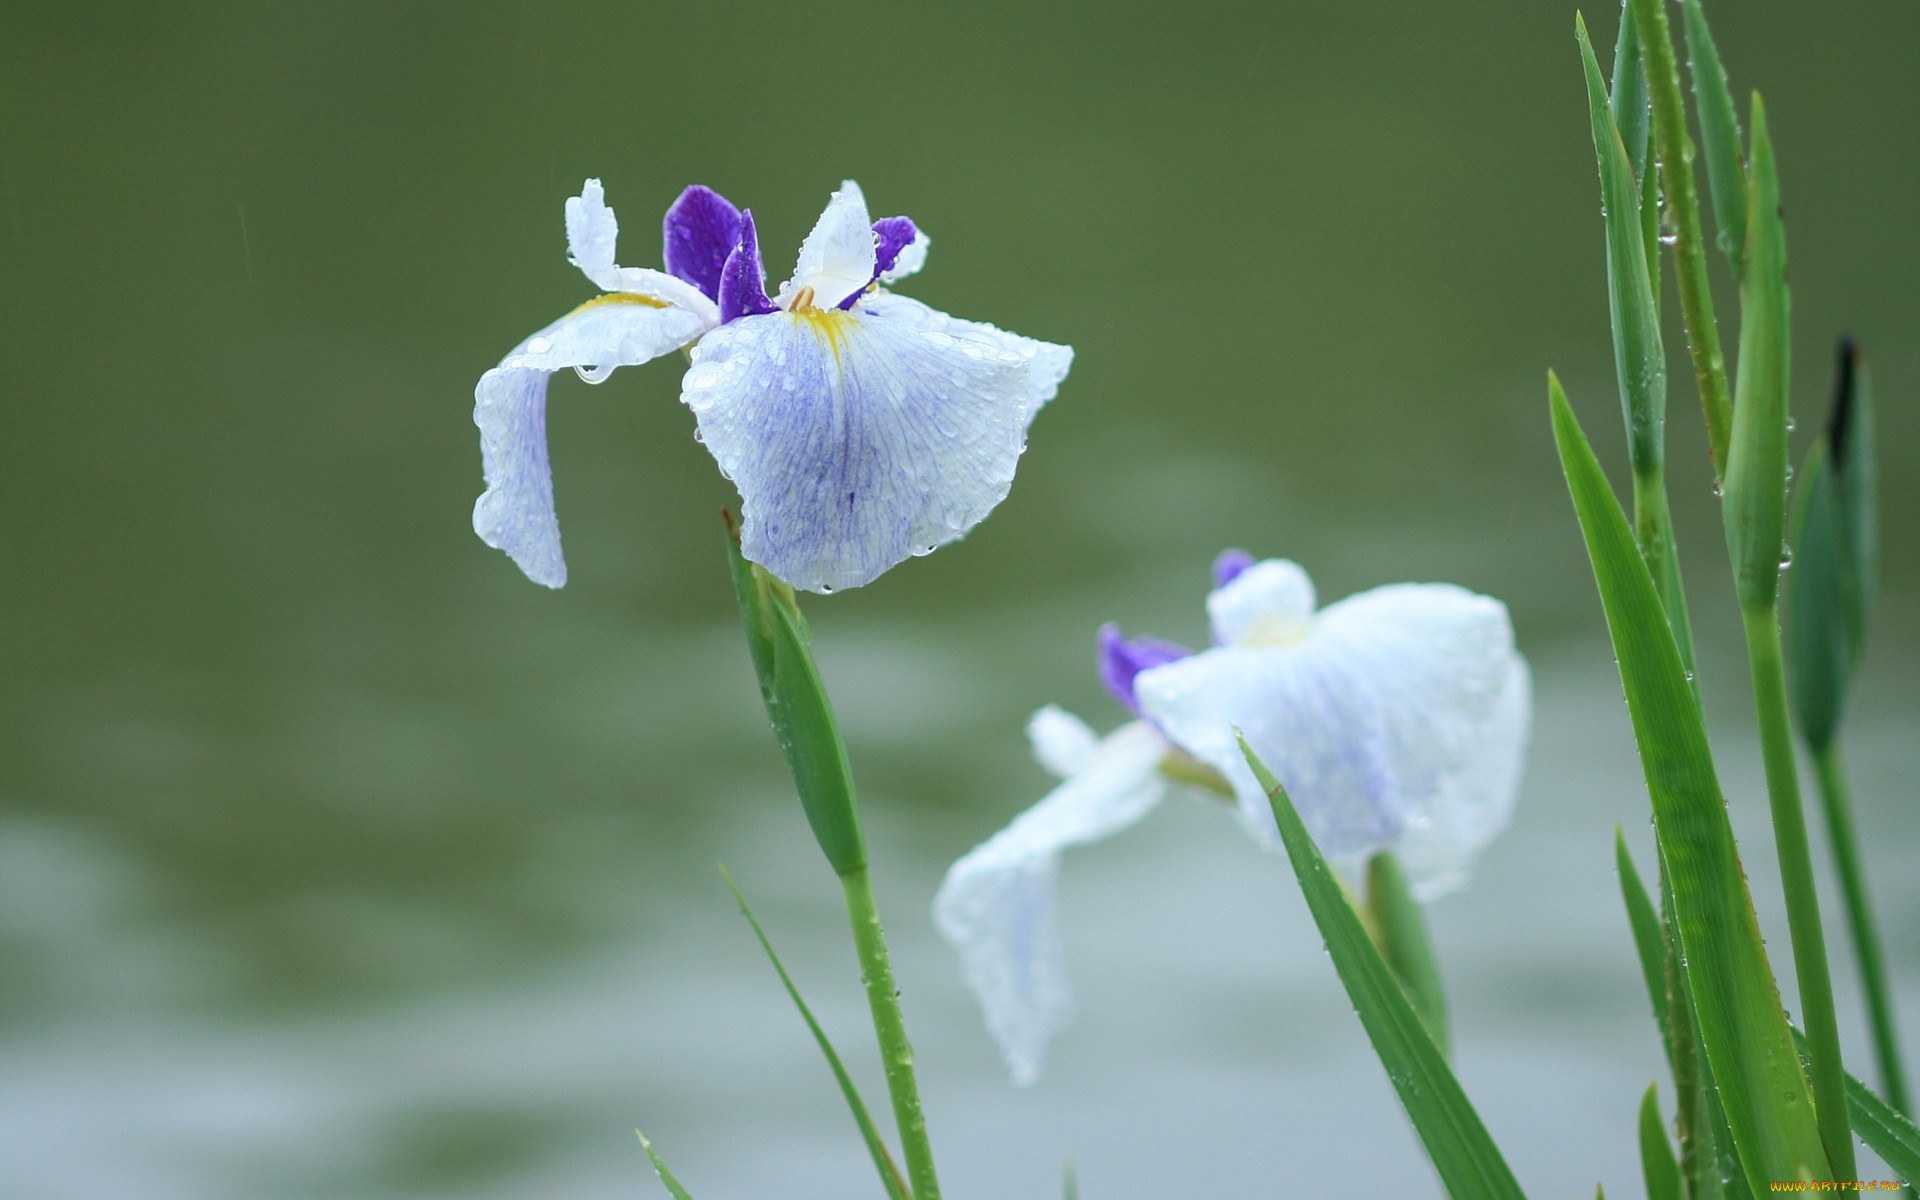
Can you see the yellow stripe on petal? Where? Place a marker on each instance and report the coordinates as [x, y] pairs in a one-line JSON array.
[[621, 298]]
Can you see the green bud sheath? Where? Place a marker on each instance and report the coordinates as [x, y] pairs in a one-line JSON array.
[[1830, 590], [797, 704], [1755, 487]]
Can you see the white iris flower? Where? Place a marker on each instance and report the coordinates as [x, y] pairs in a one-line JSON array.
[[1396, 718], [859, 426]]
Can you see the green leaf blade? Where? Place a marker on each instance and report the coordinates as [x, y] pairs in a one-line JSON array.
[[1755, 488], [890, 1177], [1742, 1026], [1470, 1165], [1720, 131], [1657, 1164]]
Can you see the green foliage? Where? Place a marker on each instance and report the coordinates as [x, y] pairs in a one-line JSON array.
[[1720, 130], [1742, 1026], [1639, 359], [1645, 923], [876, 1146], [1830, 591], [1470, 1165], [1755, 491], [1657, 1165], [660, 1169], [778, 640], [1404, 943]]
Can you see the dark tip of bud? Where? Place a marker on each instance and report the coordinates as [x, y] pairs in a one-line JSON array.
[[733, 527], [1840, 418]]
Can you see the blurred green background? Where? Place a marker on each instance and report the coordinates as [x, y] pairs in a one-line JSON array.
[[336, 859]]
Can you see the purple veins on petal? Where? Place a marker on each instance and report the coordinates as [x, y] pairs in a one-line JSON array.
[[701, 229], [743, 280], [1122, 660], [1228, 566]]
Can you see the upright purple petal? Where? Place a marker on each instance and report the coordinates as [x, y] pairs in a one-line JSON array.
[[1121, 660], [701, 230], [1228, 566], [891, 236], [742, 290]]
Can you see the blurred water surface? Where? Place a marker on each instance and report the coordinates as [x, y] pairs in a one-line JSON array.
[[338, 860]]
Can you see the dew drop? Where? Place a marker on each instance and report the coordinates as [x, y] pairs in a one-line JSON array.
[[1786, 557], [593, 374], [826, 589], [539, 346]]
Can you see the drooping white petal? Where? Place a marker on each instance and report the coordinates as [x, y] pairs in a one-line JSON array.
[[837, 259], [593, 231], [855, 439], [1375, 719], [996, 904], [515, 513], [1047, 363], [1062, 742], [1269, 602], [912, 259], [1443, 838]]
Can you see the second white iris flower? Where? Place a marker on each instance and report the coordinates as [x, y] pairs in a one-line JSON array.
[[1396, 719]]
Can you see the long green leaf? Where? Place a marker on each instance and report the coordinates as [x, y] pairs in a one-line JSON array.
[[869, 1133], [1720, 130], [1657, 1165], [1638, 358], [1645, 923], [1470, 1165], [1404, 942], [1742, 1025], [1706, 1147], [660, 1169], [1891, 1135]]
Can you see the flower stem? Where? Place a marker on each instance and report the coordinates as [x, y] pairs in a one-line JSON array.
[[1824, 1069], [1835, 799], [876, 973], [1675, 150]]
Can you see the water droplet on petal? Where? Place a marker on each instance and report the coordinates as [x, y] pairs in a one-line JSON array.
[[593, 374], [539, 346]]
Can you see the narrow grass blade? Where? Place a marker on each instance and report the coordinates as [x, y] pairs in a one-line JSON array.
[[1638, 358], [1720, 131], [660, 1169], [1470, 1165], [1404, 942], [1631, 117], [1657, 1165], [1707, 1161], [1742, 1026], [1069, 1183], [1629, 91], [1645, 923], [1890, 1134], [1674, 147], [1755, 489], [890, 1177]]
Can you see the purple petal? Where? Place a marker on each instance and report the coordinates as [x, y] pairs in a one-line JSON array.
[[743, 279], [892, 235], [1228, 566], [701, 229], [1121, 660]]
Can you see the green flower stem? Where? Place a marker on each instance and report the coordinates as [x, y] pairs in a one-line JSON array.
[[1834, 796], [876, 973], [1826, 1074], [1675, 149]]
